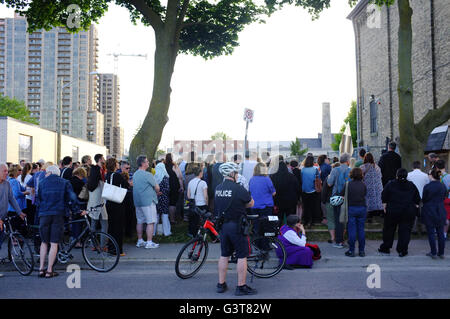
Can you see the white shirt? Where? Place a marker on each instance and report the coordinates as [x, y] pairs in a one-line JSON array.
[[199, 197], [293, 238], [24, 184], [247, 169], [242, 181], [419, 178]]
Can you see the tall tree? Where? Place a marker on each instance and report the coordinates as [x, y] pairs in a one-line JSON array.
[[198, 27], [15, 109], [413, 136]]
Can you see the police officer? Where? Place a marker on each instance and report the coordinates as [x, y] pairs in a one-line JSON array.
[[232, 199]]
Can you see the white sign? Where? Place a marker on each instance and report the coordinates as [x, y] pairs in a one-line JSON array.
[[248, 115]]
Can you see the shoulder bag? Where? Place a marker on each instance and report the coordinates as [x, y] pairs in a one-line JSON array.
[[113, 193]]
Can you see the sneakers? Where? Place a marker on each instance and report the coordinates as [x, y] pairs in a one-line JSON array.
[[221, 288], [245, 290], [340, 245], [383, 252], [362, 254], [151, 244], [1, 275], [441, 256], [350, 253], [403, 254], [140, 243]]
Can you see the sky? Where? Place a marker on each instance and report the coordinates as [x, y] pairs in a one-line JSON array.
[[283, 70]]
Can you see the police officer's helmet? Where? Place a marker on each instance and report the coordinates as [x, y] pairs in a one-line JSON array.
[[227, 168]]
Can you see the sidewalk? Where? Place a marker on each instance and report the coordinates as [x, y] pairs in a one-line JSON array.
[[330, 256]]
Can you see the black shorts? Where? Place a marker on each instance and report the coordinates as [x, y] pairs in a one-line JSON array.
[[51, 228], [232, 240]]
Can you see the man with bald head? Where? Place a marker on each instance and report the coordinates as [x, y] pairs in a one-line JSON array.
[[6, 196]]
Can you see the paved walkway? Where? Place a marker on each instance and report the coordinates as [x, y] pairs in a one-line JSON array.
[[330, 255]]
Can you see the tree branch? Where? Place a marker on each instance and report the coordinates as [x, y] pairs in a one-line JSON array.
[[433, 119], [152, 17], [182, 15]]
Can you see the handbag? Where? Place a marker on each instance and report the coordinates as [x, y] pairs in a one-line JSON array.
[[84, 194], [192, 200], [318, 183], [112, 192]]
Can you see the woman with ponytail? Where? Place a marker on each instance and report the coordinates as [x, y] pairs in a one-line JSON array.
[[401, 202]]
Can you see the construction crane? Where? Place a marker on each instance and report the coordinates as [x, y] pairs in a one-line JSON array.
[[116, 58]]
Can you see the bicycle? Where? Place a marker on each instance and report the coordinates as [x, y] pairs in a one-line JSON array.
[[99, 250], [266, 258], [19, 252]]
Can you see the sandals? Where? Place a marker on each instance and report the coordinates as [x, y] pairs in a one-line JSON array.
[[42, 273], [51, 274]]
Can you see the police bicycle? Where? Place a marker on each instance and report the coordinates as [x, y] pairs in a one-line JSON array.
[[267, 255], [19, 252]]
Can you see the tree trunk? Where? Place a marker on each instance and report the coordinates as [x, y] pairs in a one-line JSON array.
[[149, 136], [410, 147], [413, 137]]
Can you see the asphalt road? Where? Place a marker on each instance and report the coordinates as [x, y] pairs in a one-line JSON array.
[[416, 277]]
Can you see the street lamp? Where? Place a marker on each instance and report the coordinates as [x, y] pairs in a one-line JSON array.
[[61, 88]]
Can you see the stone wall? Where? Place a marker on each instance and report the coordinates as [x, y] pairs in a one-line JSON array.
[[377, 71]]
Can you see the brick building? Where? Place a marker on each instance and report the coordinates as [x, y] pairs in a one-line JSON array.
[[376, 36]]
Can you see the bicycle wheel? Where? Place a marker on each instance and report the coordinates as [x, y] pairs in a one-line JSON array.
[[267, 257], [191, 258], [101, 251], [20, 254]]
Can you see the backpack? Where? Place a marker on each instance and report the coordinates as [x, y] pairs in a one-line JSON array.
[[316, 251]]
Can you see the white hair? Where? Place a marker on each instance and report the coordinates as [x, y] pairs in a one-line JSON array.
[[54, 170], [3, 164]]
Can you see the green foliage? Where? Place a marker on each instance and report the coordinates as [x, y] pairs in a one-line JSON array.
[[15, 109], [203, 27], [220, 136], [352, 119], [296, 148], [159, 153]]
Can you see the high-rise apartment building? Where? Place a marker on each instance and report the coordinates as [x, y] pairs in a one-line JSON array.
[[109, 104], [33, 65]]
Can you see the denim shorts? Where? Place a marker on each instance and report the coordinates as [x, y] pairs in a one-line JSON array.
[[51, 228]]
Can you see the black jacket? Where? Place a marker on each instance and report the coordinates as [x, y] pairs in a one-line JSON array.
[[401, 198], [95, 176], [389, 163]]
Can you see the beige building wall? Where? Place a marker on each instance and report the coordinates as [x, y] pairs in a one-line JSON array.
[[376, 37], [43, 142]]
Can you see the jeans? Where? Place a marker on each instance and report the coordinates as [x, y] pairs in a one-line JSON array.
[[432, 231], [339, 227], [356, 219]]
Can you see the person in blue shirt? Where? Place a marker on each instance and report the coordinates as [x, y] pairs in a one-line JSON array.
[[311, 199], [55, 196], [18, 190], [262, 191]]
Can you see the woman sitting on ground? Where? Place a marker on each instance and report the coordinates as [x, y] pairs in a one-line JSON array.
[[292, 236]]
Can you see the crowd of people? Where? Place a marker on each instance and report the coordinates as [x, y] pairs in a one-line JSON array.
[[342, 193]]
